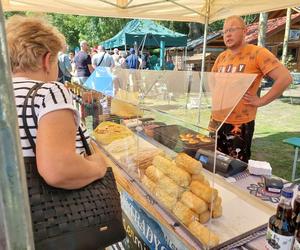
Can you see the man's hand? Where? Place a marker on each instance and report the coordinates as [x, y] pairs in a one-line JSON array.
[[252, 100]]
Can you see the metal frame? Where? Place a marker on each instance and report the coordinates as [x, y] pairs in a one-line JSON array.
[[15, 217]]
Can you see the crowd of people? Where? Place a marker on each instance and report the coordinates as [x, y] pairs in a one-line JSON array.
[[84, 62]]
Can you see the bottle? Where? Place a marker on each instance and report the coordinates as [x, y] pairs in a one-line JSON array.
[[297, 234], [281, 228], [296, 205]]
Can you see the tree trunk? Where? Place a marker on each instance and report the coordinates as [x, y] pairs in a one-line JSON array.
[[286, 36], [262, 28], [195, 30]]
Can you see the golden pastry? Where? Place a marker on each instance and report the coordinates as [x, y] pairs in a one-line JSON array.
[[193, 202], [167, 200], [217, 212], [204, 217], [169, 186], [154, 173], [188, 163], [184, 214], [169, 168], [203, 191], [206, 236], [150, 185]]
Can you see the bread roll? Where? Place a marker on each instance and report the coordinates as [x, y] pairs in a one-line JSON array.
[[181, 177], [193, 202], [167, 200], [203, 191], [154, 174], [204, 217], [217, 212], [169, 186], [188, 163], [198, 177], [184, 214], [207, 237], [217, 203], [150, 185]]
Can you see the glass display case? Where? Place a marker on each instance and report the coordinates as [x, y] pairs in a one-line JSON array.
[[156, 128]]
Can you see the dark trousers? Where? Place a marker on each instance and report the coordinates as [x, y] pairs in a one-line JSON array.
[[236, 140]]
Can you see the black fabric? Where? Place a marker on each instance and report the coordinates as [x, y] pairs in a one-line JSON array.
[[235, 140], [88, 218]]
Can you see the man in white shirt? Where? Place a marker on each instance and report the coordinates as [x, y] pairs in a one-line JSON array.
[[102, 58]]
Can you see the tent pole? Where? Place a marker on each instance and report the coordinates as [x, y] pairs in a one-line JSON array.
[[203, 57], [15, 218]]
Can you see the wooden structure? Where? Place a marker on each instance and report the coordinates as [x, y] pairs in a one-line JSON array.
[[274, 41]]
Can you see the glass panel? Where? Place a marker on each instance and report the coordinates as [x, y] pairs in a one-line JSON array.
[[156, 125]]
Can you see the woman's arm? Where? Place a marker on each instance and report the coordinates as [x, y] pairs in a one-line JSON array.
[[57, 160]]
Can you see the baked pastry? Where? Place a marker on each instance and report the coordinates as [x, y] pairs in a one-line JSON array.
[[198, 177], [169, 186], [169, 168], [166, 199], [193, 202], [217, 203], [188, 163], [184, 214], [203, 191], [107, 132], [150, 185], [154, 174], [206, 236], [204, 217], [217, 212]]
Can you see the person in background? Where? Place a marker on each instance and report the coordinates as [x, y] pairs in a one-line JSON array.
[[132, 60], [71, 57], [65, 67], [122, 60], [116, 56], [83, 64], [235, 135], [59, 150], [102, 58]]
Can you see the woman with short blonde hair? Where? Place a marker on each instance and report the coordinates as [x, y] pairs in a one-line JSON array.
[[33, 46]]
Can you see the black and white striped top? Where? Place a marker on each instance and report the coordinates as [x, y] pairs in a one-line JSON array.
[[50, 97]]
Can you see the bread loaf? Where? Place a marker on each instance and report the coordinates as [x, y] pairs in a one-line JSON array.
[[154, 174], [203, 191], [169, 186], [167, 200], [204, 217], [181, 177], [184, 214], [150, 185], [207, 237], [193, 202], [188, 163]]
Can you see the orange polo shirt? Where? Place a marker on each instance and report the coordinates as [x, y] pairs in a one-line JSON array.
[[252, 60]]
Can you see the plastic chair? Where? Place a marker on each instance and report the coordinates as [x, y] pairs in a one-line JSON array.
[[294, 141]]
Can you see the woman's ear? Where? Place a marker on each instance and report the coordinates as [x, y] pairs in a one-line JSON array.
[[46, 62]]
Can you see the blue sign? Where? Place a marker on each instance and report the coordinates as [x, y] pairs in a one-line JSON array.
[[143, 230], [101, 80]]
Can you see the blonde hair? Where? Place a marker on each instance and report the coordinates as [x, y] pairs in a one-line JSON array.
[[29, 39], [237, 18]]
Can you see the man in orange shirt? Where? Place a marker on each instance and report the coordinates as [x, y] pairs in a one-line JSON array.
[[235, 135]]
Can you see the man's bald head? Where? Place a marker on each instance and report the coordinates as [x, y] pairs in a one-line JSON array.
[[237, 19]]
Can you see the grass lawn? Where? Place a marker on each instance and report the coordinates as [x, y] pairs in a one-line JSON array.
[[277, 121]]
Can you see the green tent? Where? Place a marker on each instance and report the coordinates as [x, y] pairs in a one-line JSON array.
[[146, 33]]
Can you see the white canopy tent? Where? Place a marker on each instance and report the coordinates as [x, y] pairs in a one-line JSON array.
[[176, 10], [16, 212]]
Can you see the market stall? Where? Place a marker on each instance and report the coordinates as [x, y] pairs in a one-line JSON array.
[[200, 11], [166, 188]]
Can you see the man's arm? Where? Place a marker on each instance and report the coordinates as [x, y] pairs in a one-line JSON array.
[[282, 79]]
